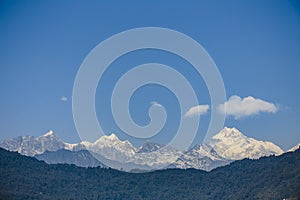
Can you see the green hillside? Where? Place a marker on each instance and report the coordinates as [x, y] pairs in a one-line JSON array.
[[272, 177]]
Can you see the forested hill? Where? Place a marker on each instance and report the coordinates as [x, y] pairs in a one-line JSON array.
[[272, 177]]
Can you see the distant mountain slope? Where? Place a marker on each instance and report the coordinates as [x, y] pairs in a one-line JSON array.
[[149, 147], [82, 158], [271, 177], [200, 156]]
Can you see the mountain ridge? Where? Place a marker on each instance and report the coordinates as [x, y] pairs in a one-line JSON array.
[[224, 147], [82, 158]]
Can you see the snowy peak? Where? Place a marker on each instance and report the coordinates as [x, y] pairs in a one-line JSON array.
[[111, 137], [108, 138], [227, 145], [228, 133], [111, 147], [49, 134], [30, 146], [231, 144], [112, 140], [294, 148]]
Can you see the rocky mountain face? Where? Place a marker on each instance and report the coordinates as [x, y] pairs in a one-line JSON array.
[[200, 157], [82, 158], [30, 146], [149, 147], [226, 146]]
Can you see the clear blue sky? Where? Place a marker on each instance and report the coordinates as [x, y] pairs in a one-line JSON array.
[[255, 44]]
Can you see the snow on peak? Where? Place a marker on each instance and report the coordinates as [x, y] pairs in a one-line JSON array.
[[113, 148], [49, 133], [228, 132], [109, 138], [294, 148], [112, 137], [30, 146], [227, 145], [231, 144]]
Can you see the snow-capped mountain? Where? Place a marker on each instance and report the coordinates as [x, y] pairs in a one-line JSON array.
[[158, 158], [200, 157], [151, 155], [197, 162], [30, 146], [296, 147], [226, 146], [231, 144], [112, 148]]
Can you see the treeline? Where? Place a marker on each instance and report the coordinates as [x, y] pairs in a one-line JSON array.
[[271, 177]]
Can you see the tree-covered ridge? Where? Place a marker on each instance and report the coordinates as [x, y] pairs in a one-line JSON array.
[[271, 177]]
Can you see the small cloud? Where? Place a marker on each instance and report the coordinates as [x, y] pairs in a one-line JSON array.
[[197, 110], [155, 103], [63, 98], [238, 107]]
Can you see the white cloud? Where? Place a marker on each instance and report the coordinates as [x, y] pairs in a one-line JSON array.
[[155, 103], [238, 107], [63, 98], [197, 110]]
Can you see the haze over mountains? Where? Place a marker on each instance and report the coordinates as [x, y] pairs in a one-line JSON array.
[[226, 146]]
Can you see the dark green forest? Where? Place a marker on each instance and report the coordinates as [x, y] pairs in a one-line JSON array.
[[271, 177]]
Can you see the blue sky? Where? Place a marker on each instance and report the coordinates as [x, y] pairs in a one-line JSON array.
[[255, 44]]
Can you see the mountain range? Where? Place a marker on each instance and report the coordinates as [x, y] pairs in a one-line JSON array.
[[223, 148]]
